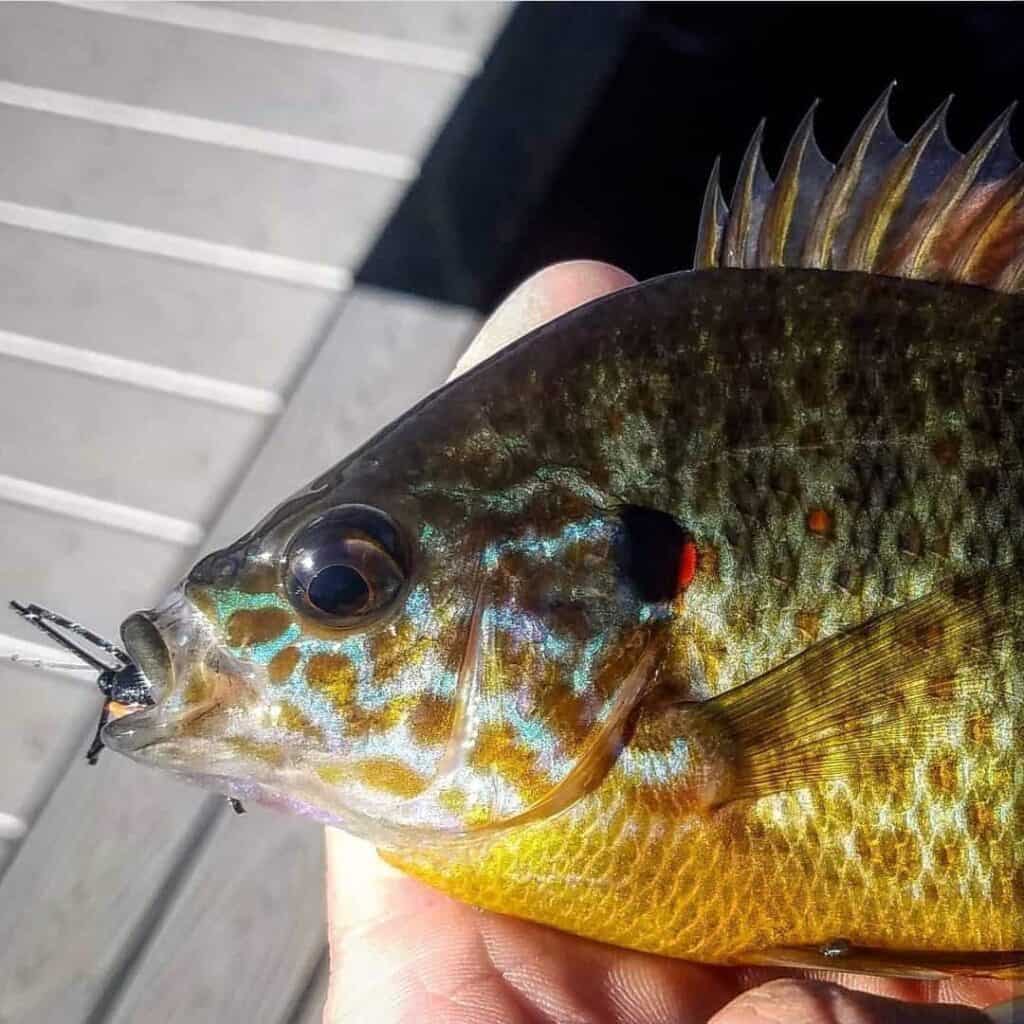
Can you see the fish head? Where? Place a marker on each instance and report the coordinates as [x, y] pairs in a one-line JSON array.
[[403, 656]]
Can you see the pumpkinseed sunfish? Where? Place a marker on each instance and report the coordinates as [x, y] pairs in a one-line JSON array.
[[693, 621]]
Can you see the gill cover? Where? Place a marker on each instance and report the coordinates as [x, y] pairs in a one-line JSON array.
[[522, 748]]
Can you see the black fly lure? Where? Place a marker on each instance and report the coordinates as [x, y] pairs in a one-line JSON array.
[[120, 680]]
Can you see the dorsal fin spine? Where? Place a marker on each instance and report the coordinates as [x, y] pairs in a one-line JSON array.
[[741, 224], [1012, 277], [778, 214], [999, 210], [839, 191], [712, 222]]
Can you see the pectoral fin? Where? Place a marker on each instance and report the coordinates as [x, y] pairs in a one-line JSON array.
[[865, 694]]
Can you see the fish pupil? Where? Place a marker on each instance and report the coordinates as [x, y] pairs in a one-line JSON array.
[[338, 590]]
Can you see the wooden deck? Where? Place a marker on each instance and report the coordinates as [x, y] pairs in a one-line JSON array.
[[185, 192]]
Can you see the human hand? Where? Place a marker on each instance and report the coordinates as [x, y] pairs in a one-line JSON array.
[[402, 952]]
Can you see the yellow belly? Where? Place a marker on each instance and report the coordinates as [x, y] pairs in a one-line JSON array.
[[923, 856]]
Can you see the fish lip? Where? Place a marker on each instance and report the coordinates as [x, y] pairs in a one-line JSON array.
[[133, 732], [147, 647], [162, 642]]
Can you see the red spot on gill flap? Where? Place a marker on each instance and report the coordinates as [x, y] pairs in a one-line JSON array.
[[687, 564]]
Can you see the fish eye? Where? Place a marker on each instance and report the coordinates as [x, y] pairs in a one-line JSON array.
[[346, 565]]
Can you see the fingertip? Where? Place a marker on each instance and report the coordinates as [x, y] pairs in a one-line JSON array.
[[357, 880], [788, 1000], [547, 294]]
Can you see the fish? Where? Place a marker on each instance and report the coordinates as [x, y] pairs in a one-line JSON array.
[[691, 622]]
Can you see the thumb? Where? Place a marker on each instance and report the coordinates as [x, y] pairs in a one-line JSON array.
[[794, 1001], [548, 293]]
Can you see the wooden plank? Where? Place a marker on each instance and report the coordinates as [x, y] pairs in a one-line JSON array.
[[40, 729], [313, 1002], [85, 570], [389, 350], [256, 202], [80, 893], [279, 87], [254, 897], [467, 26], [159, 452], [195, 319]]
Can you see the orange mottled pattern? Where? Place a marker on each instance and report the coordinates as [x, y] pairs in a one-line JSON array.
[[908, 856]]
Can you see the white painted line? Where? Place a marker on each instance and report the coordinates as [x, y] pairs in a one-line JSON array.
[[93, 510], [142, 375], [12, 828], [295, 33], [217, 133], [39, 657], [177, 247]]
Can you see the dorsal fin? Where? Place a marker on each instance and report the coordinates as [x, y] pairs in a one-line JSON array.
[[918, 209]]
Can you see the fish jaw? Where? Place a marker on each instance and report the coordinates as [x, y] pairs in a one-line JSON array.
[[191, 678], [207, 707]]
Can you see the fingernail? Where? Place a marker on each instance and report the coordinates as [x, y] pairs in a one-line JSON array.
[[1007, 1013]]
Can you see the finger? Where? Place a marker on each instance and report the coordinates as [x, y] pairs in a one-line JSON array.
[[547, 294], [358, 881], [966, 989], [795, 1001]]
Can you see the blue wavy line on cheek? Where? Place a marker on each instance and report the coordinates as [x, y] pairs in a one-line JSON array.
[[419, 609], [230, 601], [263, 653], [583, 672]]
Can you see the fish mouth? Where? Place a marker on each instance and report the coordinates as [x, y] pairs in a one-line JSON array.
[[167, 644], [146, 646]]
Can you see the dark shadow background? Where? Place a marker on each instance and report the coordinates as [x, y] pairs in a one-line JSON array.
[[592, 129]]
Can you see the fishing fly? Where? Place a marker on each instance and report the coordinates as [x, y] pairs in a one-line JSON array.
[[120, 680]]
